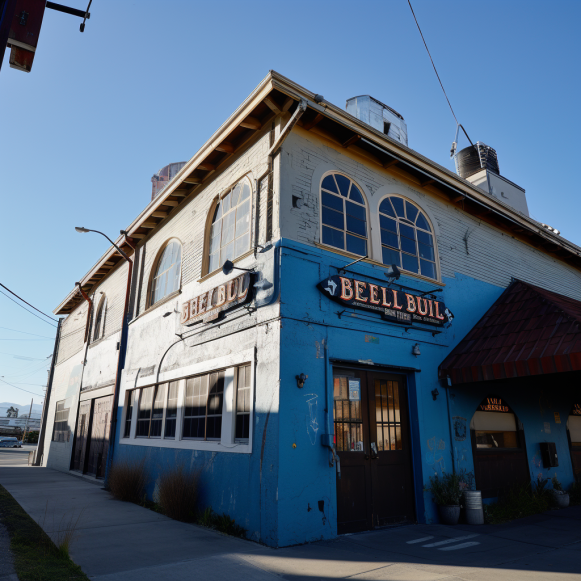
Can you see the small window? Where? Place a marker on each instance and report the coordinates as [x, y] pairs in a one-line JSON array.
[[243, 392], [386, 127], [144, 414], [203, 411], [61, 430], [129, 414], [171, 412], [99, 329], [343, 215], [230, 228], [494, 425], [407, 239], [167, 274]]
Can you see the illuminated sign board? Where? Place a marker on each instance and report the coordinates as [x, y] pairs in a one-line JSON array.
[[493, 404], [393, 305], [207, 306]]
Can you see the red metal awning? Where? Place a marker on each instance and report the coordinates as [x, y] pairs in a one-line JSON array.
[[527, 331]]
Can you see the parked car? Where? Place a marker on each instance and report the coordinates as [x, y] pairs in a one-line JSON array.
[[10, 442]]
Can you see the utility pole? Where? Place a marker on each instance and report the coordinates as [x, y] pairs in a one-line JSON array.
[[27, 420]]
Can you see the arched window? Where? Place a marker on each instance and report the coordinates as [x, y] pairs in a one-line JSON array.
[[407, 239], [343, 214], [166, 279], [230, 229], [99, 329]]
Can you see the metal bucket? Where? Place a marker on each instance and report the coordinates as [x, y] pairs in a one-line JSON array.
[[473, 507]]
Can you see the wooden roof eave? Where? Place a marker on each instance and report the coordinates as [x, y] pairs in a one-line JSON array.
[[427, 167]]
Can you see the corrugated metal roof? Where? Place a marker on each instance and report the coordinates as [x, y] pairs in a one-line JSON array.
[[527, 331]]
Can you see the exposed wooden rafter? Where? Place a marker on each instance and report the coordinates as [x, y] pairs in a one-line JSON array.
[[251, 123], [308, 125], [271, 104], [353, 139]]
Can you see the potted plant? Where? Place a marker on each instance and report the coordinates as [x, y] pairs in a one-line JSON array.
[[446, 493], [561, 497]]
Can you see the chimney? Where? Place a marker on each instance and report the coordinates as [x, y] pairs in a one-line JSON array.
[[163, 177], [479, 165], [379, 116]]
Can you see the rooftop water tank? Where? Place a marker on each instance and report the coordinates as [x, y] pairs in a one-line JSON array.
[[473, 159], [380, 116]]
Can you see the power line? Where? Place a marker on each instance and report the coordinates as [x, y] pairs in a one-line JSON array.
[[23, 357], [26, 309], [431, 59], [21, 389], [13, 293], [25, 333]]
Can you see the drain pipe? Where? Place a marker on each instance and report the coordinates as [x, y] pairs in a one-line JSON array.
[[450, 429], [120, 365]]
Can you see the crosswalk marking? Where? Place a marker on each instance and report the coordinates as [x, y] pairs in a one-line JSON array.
[[420, 540], [448, 541], [460, 546]]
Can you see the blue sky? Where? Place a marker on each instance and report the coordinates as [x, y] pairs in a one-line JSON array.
[[148, 82]]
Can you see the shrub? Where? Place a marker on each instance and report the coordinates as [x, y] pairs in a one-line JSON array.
[[575, 493], [556, 484], [222, 523], [127, 480], [446, 489], [520, 501], [177, 493]]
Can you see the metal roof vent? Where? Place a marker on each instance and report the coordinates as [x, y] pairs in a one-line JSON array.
[[551, 229], [473, 159]]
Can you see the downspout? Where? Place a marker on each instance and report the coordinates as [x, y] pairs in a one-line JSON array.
[[120, 366], [40, 447]]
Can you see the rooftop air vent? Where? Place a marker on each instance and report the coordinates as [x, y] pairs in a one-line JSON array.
[[551, 229]]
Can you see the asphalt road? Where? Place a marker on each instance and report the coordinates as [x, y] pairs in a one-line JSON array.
[[122, 541]]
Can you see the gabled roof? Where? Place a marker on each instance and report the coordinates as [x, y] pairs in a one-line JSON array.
[[527, 331], [277, 95]]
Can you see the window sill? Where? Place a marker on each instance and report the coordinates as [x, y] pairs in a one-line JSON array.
[[375, 263], [189, 444], [158, 304], [218, 270]]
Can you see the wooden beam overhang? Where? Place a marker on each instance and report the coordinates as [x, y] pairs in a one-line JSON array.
[[277, 95]]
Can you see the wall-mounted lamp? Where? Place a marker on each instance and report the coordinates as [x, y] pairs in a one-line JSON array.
[[301, 380], [416, 350], [228, 267], [435, 393]]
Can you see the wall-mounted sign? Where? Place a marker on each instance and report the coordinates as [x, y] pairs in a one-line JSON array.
[[354, 389], [208, 306], [576, 411], [493, 404], [393, 305]]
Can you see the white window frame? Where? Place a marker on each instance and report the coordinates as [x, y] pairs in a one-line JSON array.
[[227, 442]]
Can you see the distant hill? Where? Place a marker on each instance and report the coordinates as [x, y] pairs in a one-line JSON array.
[[22, 408]]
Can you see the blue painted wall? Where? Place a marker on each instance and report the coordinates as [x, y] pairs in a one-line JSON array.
[[284, 493]]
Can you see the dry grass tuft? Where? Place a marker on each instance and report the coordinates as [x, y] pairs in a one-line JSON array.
[[127, 480], [177, 493]]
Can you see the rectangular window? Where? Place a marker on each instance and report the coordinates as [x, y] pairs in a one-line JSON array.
[[157, 411], [171, 412], [144, 414], [61, 431], [129, 414], [203, 410], [243, 403]]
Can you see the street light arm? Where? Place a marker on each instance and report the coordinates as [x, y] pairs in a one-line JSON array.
[[113, 243]]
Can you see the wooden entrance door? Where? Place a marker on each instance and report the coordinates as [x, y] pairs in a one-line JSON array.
[[81, 432], [373, 443], [99, 443]]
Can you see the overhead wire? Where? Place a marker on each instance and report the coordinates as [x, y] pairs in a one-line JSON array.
[[26, 333], [20, 298], [20, 388], [23, 307], [432, 60]]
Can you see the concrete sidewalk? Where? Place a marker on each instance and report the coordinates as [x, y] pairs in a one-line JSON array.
[[122, 541]]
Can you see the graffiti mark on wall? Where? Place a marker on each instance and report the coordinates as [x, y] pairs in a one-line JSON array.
[[460, 456], [435, 457], [320, 349], [459, 424], [312, 423]]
